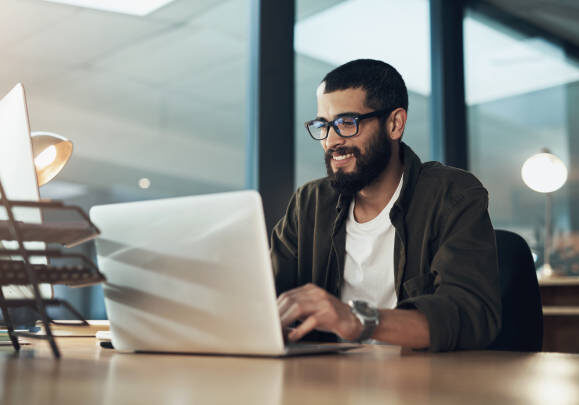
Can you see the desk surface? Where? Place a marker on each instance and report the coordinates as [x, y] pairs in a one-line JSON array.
[[371, 375]]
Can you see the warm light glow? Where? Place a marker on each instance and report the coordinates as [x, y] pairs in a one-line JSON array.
[[51, 153], [544, 172], [45, 158], [144, 183]]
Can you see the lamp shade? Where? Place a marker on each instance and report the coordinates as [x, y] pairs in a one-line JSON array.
[[544, 172], [51, 152]]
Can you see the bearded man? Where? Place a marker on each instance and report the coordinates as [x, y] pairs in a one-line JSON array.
[[385, 248]]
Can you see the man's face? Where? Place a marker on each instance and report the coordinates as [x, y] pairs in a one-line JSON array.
[[353, 163]]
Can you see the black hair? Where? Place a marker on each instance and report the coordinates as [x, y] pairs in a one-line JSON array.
[[385, 88]]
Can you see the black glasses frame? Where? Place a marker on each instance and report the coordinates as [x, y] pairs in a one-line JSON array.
[[357, 118]]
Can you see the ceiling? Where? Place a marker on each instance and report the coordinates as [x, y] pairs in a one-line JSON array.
[[557, 17], [162, 94]]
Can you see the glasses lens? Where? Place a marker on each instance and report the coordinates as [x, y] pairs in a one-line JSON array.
[[317, 129], [346, 126]]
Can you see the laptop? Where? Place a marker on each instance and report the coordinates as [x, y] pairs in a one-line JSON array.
[[192, 275]]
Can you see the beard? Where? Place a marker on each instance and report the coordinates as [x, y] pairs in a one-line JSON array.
[[368, 166]]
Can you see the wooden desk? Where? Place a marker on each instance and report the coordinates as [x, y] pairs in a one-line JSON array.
[[371, 375]]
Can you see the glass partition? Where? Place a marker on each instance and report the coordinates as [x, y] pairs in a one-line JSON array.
[[522, 96]]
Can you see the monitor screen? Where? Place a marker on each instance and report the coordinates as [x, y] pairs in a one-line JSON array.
[[17, 173]]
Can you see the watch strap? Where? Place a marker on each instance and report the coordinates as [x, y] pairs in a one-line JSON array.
[[369, 322], [369, 327]]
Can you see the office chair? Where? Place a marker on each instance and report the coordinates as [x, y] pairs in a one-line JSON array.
[[522, 323]]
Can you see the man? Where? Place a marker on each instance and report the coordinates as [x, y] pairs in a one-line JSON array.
[[386, 247]]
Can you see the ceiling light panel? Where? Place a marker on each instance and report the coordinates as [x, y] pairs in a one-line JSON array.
[[131, 7]]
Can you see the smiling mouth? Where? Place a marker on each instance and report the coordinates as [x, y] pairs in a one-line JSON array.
[[342, 157]]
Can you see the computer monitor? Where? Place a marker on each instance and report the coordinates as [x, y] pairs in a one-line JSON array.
[[17, 173]]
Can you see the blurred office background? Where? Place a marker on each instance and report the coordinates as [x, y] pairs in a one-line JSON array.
[[157, 101]]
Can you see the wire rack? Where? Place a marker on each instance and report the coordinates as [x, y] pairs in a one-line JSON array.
[[17, 268]]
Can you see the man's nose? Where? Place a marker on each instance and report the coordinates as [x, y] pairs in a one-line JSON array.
[[333, 140]]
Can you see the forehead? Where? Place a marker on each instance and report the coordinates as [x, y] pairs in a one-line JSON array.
[[340, 101]]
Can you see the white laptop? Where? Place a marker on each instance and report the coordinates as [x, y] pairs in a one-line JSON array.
[[192, 275]]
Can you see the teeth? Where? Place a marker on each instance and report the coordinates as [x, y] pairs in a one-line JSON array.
[[342, 157]]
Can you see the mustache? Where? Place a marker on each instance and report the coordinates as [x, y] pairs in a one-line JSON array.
[[342, 151]]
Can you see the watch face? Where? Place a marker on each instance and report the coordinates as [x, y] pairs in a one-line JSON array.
[[364, 309]]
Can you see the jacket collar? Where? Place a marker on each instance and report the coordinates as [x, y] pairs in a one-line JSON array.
[[412, 166]]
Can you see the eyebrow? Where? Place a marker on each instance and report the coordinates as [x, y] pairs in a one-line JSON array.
[[339, 115]]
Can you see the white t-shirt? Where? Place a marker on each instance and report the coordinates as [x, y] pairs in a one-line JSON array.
[[369, 264]]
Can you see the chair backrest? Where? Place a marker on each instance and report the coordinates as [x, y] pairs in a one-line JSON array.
[[522, 323]]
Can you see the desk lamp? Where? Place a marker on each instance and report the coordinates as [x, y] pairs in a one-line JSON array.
[[51, 152], [545, 173]]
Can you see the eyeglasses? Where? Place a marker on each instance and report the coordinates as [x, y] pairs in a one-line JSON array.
[[346, 125]]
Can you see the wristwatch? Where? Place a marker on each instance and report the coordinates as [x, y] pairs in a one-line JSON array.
[[368, 315]]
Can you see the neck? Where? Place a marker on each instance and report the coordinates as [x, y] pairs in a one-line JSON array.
[[372, 199]]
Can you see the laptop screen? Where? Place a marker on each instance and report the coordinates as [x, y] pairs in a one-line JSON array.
[[17, 172]]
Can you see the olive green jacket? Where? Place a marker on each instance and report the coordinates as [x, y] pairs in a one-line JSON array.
[[445, 256]]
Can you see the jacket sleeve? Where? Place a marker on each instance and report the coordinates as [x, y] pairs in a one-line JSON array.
[[464, 312], [283, 248]]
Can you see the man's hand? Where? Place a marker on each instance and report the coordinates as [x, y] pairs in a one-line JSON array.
[[317, 309]]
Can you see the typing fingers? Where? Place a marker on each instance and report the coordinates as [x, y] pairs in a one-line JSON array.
[[309, 289], [297, 304], [306, 326], [294, 310], [285, 332]]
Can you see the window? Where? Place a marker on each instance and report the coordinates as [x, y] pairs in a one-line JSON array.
[[521, 94], [359, 31]]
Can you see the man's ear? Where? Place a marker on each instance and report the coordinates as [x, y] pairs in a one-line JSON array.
[[396, 123]]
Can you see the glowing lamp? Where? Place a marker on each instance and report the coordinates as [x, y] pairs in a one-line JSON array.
[[51, 152], [545, 173]]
